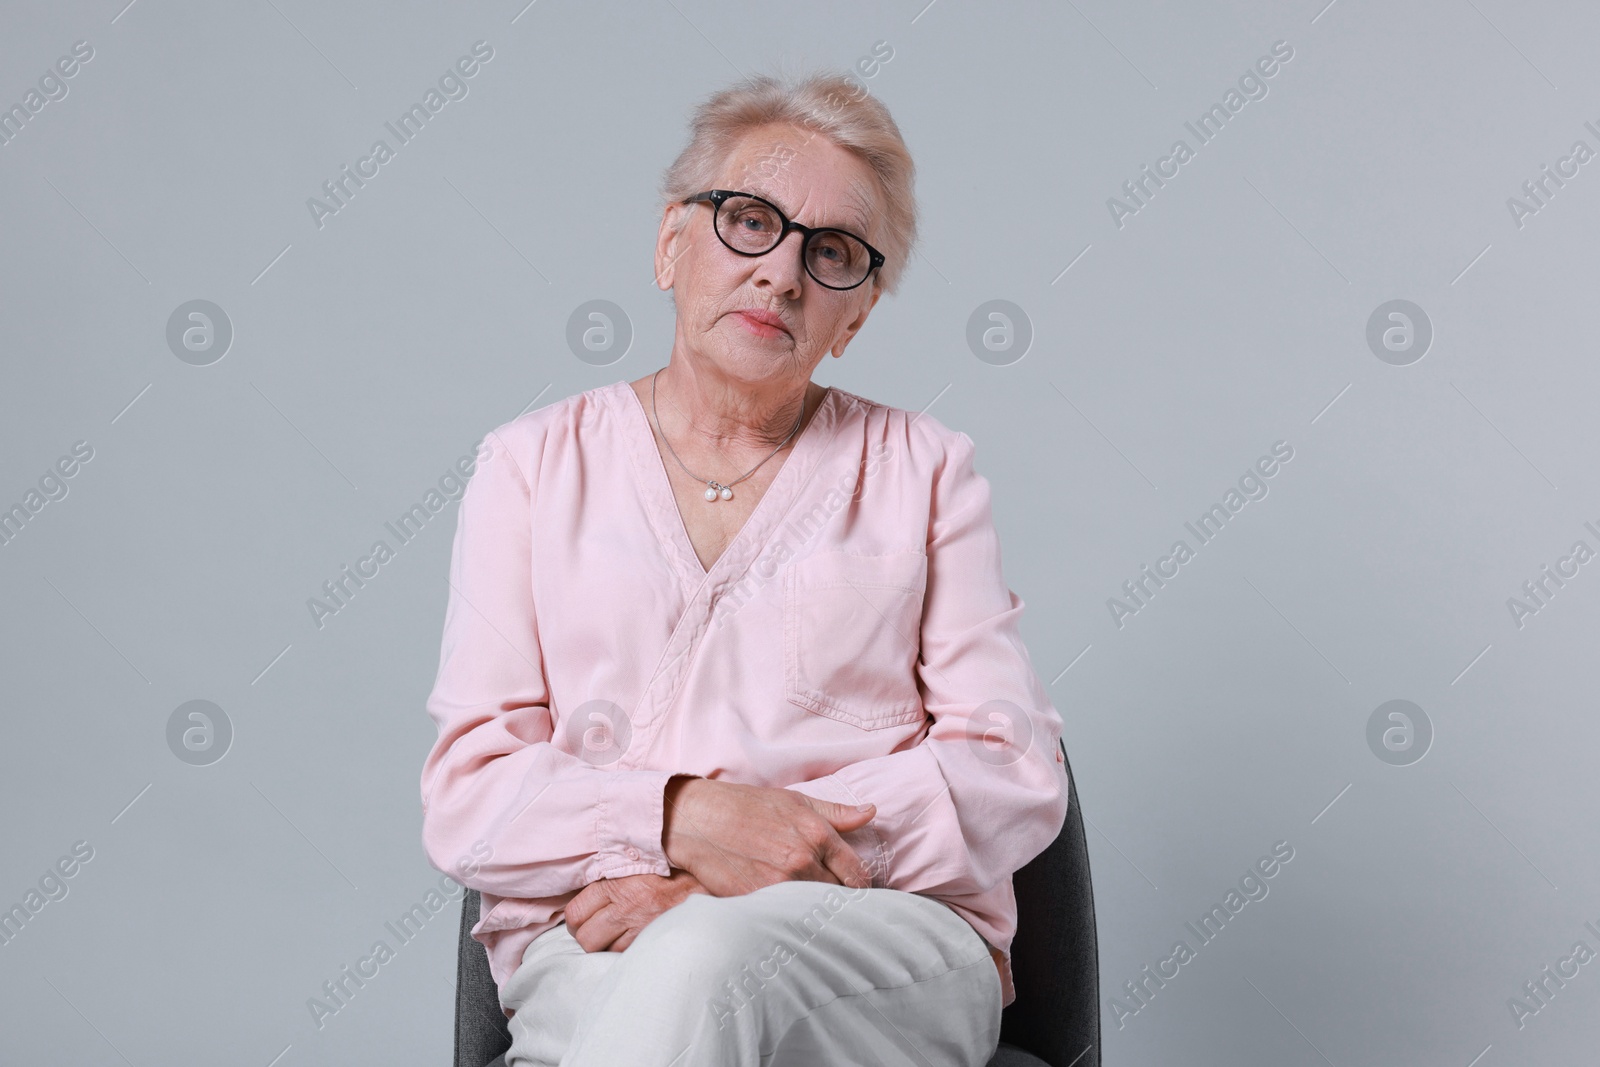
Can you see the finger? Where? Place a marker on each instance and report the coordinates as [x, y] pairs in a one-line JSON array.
[[844, 817], [601, 929], [842, 863], [581, 908]]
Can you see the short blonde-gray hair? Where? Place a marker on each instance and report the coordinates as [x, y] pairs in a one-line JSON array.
[[835, 106]]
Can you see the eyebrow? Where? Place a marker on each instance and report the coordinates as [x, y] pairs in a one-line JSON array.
[[855, 221]]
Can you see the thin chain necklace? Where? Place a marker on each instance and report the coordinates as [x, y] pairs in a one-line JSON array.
[[716, 490]]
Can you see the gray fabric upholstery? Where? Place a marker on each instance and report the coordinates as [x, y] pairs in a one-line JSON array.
[[1004, 1056], [1055, 957], [481, 1032], [1054, 1022], [1012, 1056]]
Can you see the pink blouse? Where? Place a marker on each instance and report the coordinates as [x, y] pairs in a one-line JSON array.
[[856, 641]]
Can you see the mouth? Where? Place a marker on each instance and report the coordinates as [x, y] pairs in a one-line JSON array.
[[761, 323]]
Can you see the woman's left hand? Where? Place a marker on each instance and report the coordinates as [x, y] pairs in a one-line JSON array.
[[607, 915]]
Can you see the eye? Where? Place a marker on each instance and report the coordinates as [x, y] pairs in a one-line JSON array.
[[753, 218], [831, 247]]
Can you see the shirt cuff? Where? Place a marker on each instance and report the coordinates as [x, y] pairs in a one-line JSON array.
[[865, 840], [628, 825]]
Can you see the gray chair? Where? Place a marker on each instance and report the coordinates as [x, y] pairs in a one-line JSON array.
[[1054, 1022]]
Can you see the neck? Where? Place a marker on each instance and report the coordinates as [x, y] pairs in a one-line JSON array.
[[720, 416]]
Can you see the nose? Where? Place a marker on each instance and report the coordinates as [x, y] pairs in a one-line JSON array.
[[781, 268]]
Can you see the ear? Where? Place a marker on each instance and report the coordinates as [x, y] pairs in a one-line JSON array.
[[670, 245], [859, 321]]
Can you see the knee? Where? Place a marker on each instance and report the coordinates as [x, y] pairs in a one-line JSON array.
[[706, 960], [700, 925], [706, 940]]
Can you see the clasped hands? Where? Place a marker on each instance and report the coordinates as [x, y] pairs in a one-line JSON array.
[[722, 839]]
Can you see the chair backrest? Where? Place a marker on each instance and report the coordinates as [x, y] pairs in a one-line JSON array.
[[1055, 960], [1055, 956], [481, 1030]]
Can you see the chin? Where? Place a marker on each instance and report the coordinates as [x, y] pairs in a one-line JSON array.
[[754, 363]]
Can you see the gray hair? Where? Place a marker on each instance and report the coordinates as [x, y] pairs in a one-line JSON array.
[[835, 106]]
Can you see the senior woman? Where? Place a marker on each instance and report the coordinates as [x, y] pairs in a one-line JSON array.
[[738, 737]]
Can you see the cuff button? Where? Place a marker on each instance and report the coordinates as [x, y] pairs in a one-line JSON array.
[[633, 853]]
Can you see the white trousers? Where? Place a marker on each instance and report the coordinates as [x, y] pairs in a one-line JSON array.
[[795, 974]]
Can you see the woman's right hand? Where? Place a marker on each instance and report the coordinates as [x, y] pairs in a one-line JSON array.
[[737, 838]]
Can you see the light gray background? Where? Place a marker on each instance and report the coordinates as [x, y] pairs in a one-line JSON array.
[[1228, 314]]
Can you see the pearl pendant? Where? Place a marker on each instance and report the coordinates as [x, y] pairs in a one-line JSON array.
[[727, 494], [711, 493]]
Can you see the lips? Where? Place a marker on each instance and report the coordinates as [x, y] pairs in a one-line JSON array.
[[766, 318]]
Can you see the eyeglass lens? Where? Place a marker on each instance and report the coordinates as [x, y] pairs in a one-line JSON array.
[[832, 257]]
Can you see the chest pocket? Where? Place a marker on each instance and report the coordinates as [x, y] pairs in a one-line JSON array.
[[852, 634]]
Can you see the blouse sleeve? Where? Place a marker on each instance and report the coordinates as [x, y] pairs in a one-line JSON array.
[[493, 785], [985, 791]]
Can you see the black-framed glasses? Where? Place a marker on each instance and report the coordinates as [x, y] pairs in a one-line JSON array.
[[751, 226]]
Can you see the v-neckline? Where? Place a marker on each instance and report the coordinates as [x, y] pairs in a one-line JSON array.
[[658, 484]]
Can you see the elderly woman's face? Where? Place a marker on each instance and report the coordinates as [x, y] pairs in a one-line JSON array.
[[814, 182]]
